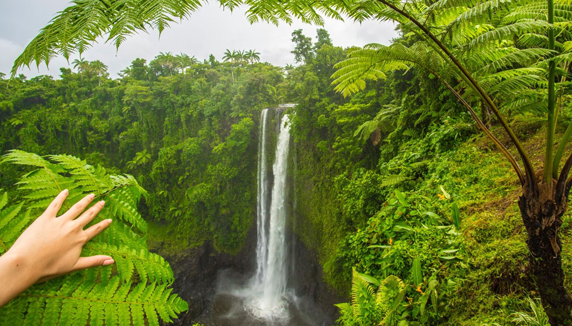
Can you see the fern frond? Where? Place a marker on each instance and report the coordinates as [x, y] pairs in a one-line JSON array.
[[361, 65], [508, 87], [90, 178], [392, 180], [105, 295], [118, 234], [77, 27], [483, 12], [3, 200], [148, 265], [508, 32], [527, 100], [12, 222], [19, 157], [371, 63], [538, 10], [87, 302], [122, 209], [532, 40], [447, 4], [514, 59]]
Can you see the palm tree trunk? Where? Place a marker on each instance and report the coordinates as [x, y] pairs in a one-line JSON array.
[[542, 217]]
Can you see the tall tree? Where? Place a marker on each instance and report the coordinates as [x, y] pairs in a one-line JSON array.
[[323, 39], [184, 61], [240, 57], [98, 69], [303, 50], [234, 57], [80, 64], [252, 56], [138, 69], [167, 63]]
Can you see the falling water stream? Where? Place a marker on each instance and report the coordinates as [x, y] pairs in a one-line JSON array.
[[265, 299], [269, 283]]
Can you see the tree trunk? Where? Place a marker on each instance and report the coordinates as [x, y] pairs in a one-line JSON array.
[[542, 217]]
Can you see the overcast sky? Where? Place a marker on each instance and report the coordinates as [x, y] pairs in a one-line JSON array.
[[209, 31]]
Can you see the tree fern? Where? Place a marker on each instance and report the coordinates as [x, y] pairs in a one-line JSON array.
[[371, 306], [133, 291]]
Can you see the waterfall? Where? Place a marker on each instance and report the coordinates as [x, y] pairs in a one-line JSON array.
[[272, 295], [261, 206], [268, 285]]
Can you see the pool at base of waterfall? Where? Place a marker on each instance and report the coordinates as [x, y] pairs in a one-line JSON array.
[[236, 304], [233, 310]]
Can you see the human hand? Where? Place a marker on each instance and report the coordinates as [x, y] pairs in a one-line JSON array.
[[51, 246]]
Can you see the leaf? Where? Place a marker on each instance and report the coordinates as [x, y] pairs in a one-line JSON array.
[[392, 180], [399, 195], [423, 302], [432, 215], [456, 217], [369, 279], [416, 271], [401, 228], [3, 200], [449, 258], [449, 251]]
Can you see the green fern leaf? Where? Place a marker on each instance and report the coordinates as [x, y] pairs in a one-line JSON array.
[[392, 180], [94, 296], [15, 227], [52, 311], [3, 200], [125, 211]]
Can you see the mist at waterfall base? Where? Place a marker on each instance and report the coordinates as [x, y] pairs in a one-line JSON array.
[[266, 298]]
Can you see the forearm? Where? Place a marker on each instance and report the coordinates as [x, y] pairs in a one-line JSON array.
[[15, 276]]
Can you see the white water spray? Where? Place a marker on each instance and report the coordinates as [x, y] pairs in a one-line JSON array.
[[269, 283], [261, 205]]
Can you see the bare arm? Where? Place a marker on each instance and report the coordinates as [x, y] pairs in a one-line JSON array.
[[50, 247]]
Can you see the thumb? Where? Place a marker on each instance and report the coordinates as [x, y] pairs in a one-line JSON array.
[[93, 261]]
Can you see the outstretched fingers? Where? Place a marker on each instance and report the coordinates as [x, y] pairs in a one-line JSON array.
[[56, 204], [89, 215], [93, 261], [96, 229], [78, 207]]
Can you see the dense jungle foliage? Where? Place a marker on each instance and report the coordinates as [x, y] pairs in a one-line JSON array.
[[184, 129], [410, 210]]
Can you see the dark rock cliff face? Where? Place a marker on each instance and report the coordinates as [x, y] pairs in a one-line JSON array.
[[317, 299], [196, 272]]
